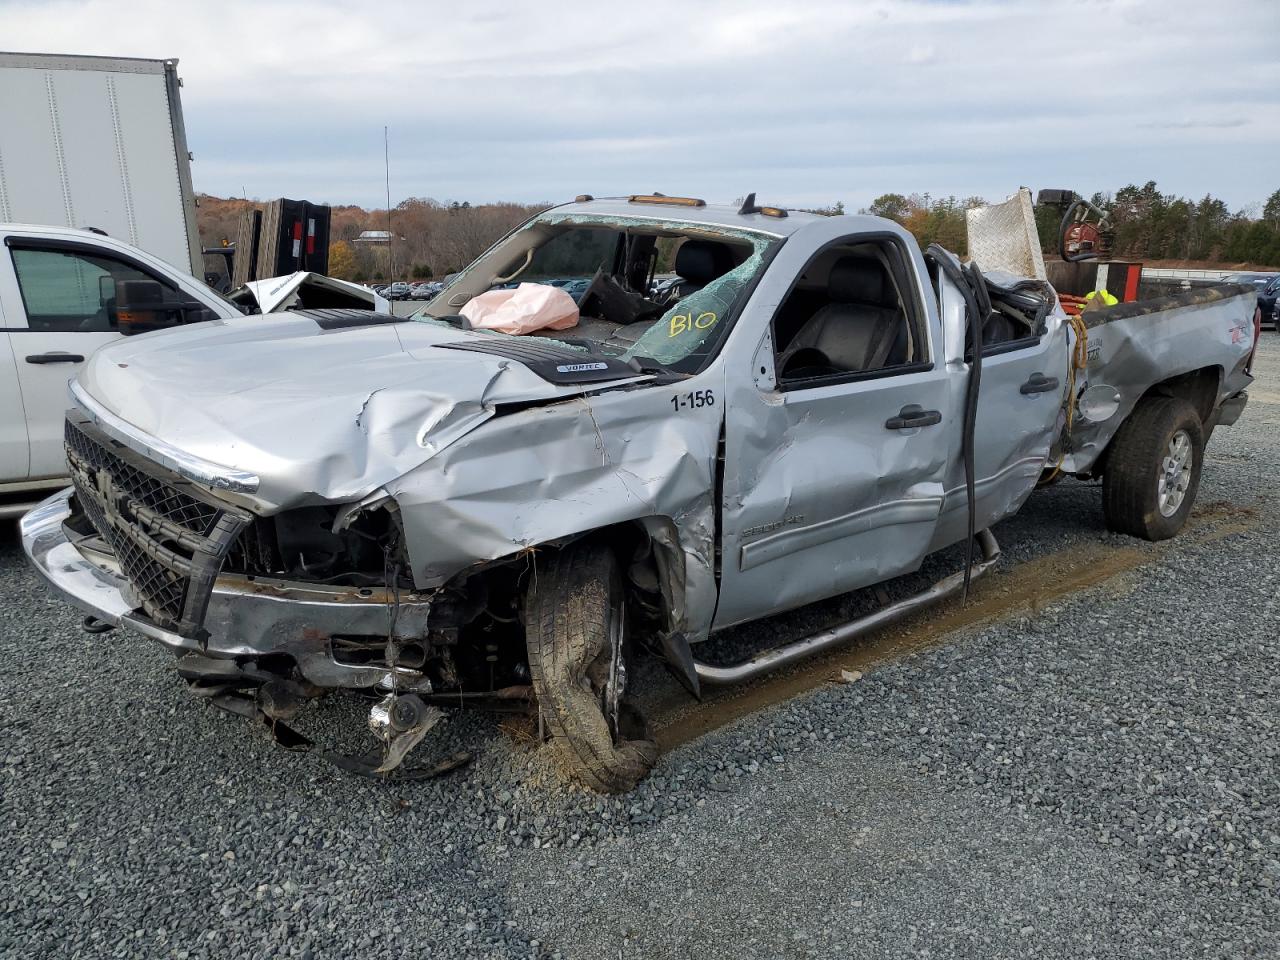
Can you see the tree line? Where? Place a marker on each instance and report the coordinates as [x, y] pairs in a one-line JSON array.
[[429, 238], [432, 239], [1149, 225]]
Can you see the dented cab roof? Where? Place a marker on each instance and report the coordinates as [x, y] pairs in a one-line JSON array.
[[712, 215]]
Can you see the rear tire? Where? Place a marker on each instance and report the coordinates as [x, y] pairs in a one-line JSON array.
[[576, 631], [1153, 469]]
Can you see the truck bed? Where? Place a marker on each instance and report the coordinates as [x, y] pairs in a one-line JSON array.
[[1134, 346]]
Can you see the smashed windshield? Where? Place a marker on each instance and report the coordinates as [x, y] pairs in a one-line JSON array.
[[689, 329], [661, 293]]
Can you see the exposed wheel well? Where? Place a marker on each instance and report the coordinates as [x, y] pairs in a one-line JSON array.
[[1199, 388], [648, 551]]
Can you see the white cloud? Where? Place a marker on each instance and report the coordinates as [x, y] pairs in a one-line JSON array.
[[805, 104], [921, 53]]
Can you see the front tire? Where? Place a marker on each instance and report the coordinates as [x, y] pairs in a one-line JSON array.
[[1153, 469], [576, 631]]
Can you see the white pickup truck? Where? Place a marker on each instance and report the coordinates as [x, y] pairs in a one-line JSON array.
[[58, 304]]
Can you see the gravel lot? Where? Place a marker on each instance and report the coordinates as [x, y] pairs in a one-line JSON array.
[[1096, 777]]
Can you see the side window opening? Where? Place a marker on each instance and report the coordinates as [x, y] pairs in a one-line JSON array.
[[72, 290], [851, 313], [1017, 317]]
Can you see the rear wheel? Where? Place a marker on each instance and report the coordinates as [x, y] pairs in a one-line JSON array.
[[576, 630], [1153, 469]]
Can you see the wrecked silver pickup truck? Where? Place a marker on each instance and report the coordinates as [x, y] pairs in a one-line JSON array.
[[440, 515]]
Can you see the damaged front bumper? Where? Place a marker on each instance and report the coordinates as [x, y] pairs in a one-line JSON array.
[[247, 618]]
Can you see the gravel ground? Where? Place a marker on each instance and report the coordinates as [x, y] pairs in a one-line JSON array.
[[1094, 779]]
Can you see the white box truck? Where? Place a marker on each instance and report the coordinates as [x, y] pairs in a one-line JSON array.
[[88, 145], [98, 142]]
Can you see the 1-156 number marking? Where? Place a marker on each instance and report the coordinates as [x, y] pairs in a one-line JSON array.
[[693, 400]]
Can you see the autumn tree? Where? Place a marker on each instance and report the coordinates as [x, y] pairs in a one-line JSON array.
[[342, 261]]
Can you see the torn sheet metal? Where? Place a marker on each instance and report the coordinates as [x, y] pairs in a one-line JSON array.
[[318, 415], [305, 289], [550, 472], [1016, 432], [1134, 345]]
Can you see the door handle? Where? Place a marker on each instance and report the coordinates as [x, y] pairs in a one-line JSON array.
[[913, 415], [1038, 383], [55, 358]]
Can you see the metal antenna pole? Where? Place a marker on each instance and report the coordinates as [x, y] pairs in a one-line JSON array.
[[386, 159]]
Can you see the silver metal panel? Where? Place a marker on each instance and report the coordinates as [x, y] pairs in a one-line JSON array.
[[1133, 353], [182, 157], [71, 61], [1003, 236], [806, 459], [212, 475], [799, 538], [83, 147], [552, 472], [1015, 432], [317, 416], [30, 184]]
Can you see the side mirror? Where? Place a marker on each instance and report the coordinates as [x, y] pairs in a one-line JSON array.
[[142, 305]]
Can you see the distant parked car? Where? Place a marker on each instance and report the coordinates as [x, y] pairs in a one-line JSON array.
[[1269, 302], [420, 291], [1268, 285], [397, 291], [1254, 278]]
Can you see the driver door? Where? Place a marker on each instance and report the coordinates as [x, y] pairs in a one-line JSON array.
[[66, 310], [833, 481]]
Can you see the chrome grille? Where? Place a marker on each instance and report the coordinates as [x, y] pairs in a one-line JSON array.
[[169, 537]]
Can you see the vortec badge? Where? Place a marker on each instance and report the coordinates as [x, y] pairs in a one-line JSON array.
[[580, 367]]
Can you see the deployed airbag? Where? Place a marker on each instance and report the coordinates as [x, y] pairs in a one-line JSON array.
[[529, 307]]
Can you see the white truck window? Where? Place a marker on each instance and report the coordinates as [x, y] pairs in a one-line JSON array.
[[848, 317], [68, 290]]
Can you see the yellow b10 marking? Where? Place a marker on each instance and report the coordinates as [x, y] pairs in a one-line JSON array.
[[684, 322]]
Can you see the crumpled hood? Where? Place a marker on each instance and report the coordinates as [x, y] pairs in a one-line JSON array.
[[316, 414]]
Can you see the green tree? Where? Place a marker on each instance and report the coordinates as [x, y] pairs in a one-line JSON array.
[[891, 206], [1271, 209]]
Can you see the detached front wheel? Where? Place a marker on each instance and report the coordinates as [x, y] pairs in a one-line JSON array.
[[1153, 469], [576, 631]]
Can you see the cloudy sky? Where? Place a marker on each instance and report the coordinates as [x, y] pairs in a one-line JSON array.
[[805, 103]]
